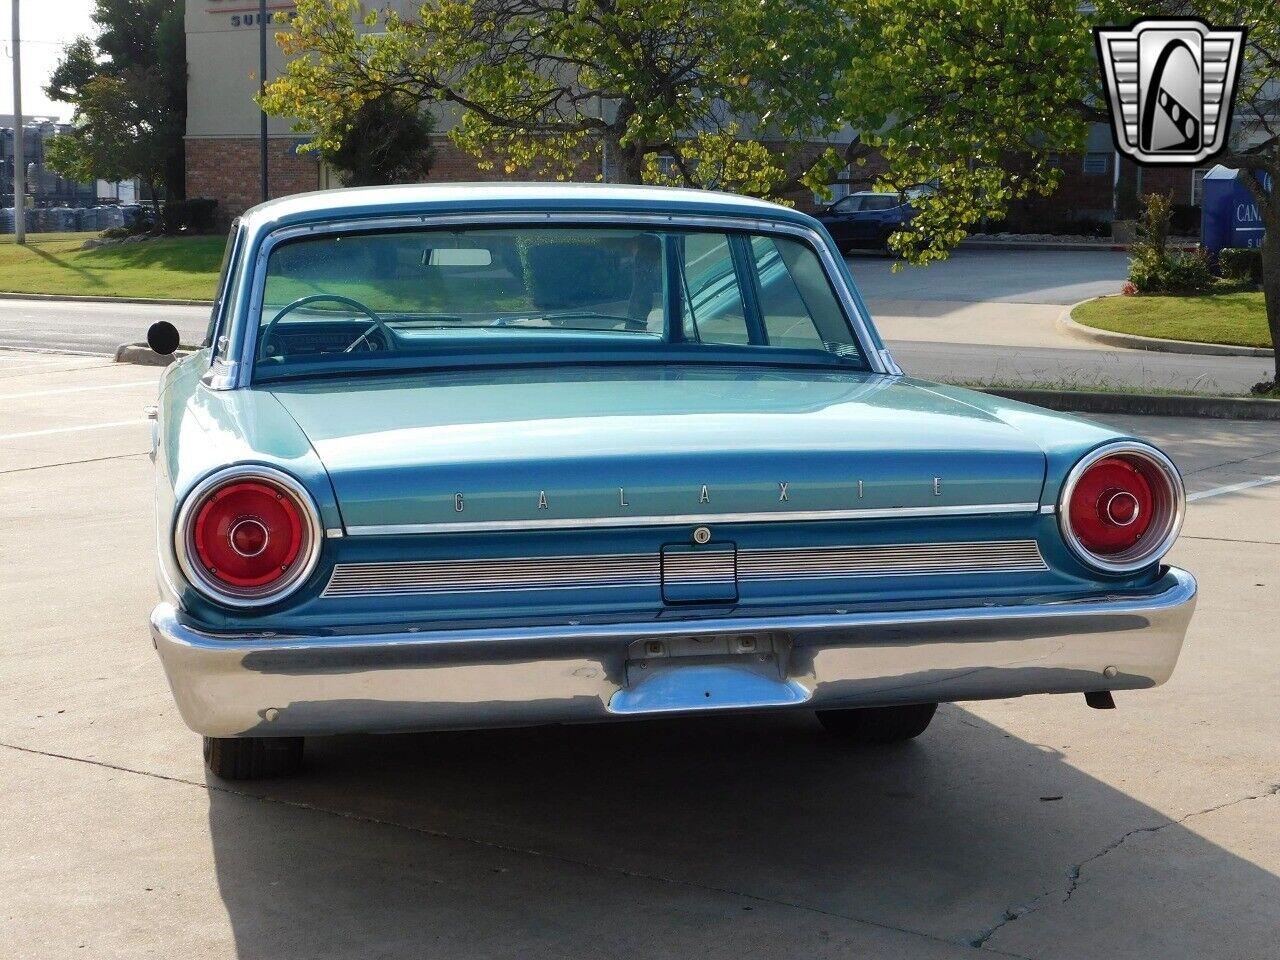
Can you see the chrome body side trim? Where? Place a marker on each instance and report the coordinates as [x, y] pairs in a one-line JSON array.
[[476, 576], [240, 373], [411, 577], [776, 516], [891, 560], [231, 684]]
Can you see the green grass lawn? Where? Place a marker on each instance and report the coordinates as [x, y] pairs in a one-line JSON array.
[[1235, 317], [180, 268]]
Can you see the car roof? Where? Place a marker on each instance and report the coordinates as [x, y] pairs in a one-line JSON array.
[[454, 198]]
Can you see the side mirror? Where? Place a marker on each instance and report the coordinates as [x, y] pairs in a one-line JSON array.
[[163, 337]]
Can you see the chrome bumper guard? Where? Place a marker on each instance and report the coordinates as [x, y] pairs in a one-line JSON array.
[[285, 685]]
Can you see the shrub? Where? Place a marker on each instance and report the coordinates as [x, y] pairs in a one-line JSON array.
[[1241, 263], [1153, 268], [1153, 225], [115, 233], [194, 215], [1154, 271]]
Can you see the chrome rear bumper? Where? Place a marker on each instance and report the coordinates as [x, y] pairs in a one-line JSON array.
[[253, 684]]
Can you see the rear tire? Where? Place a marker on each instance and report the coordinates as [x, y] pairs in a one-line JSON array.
[[878, 724], [253, 758]]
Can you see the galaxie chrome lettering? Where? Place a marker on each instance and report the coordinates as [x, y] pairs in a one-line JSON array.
[[704, 495]]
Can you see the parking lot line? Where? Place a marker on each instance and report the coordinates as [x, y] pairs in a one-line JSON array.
[[96, 386], [89, 426], [1232, 488]]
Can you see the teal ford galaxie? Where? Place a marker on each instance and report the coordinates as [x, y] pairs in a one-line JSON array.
[[469, 456]]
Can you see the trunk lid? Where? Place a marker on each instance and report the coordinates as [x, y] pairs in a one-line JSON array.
[[599, 447]]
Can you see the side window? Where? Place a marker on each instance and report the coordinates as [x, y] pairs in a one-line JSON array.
[[713, 306], [880, 202], [225, 287], [787, 319]]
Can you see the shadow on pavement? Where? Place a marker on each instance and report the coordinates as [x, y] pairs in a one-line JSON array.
[[634, 840]]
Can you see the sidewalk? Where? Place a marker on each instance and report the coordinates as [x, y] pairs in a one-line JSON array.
[[993, 323]]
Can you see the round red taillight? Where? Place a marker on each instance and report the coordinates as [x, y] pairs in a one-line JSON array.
[[247, 534], [247, 538], [1122, 506]]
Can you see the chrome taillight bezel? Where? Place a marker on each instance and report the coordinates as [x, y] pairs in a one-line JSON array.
[[1165, 525], [304, 564]]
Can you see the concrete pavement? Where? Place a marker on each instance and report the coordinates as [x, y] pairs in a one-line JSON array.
[[1035, 827], [1004, 276]]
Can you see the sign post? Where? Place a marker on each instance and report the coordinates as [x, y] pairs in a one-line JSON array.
[[19, 159], [262, 92]]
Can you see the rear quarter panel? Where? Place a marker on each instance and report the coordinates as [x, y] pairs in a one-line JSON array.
[[199, 431]]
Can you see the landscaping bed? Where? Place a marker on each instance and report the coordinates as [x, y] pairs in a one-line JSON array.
[[1235, 317], [178, 268]]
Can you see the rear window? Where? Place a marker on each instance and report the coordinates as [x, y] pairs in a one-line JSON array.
[[353, 299]]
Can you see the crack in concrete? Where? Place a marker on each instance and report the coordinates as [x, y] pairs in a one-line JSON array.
[[512, 848], [72, 463], [1013, 914], [1261, 543], [1231, 463]]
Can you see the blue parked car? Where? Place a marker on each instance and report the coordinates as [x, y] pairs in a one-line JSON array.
[[489, 455], [865, 220]]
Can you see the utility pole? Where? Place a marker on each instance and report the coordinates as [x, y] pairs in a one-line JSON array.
[[262, 92], [19, 160]]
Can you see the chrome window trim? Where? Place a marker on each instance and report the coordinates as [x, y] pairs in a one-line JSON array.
[[224, 304], [308, 557], [240, 372], [781, 516], [1173, 523]]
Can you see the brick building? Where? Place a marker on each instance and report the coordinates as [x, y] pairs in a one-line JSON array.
[[222, 142]]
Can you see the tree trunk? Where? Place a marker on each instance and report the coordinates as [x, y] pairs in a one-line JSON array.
[[621, 164], [1271, 291], [157, 218], [1257, 180]]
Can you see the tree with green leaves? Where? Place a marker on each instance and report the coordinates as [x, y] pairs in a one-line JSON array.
[[540, 83], [385, 140], [128, 87], [730, 94], [969, 96]]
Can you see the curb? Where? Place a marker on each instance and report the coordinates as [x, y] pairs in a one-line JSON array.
[[1159, 405], [1051, 245], [144, 356], [1132, 341], [90, 299]]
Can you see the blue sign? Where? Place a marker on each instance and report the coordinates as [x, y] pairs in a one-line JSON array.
[[1229, 213]]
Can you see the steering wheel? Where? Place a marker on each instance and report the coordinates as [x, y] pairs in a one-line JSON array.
[[378, 323]]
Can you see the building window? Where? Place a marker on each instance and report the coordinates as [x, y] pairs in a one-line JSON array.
[[1197, 184], [1055, 160], [1097, 164]]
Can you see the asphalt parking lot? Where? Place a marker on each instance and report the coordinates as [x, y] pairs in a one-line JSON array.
[[1030, 828]]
